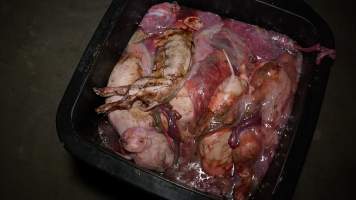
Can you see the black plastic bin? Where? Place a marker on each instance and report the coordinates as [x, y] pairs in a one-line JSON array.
[[77, 122]]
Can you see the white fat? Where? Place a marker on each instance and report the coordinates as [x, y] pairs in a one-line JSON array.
[[233, 84]]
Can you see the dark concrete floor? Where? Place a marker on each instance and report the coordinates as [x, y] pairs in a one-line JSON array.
[[41, 43]]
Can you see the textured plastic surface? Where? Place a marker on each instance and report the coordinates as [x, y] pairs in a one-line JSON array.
[[77, 121]]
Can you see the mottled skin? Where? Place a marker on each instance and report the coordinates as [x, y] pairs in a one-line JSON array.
[[225, 96], [129, 68], [244, 157], [216, 154], [214, 73]]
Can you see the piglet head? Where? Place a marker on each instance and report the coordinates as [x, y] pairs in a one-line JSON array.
[[136, 139]]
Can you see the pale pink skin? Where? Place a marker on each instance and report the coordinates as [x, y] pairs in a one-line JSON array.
[[138, 64], [149, 149], [125, 72]]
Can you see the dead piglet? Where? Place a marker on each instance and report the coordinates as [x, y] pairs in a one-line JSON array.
[[149, 148]]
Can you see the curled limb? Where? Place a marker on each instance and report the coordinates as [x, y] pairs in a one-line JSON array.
[[322, 52], [135, 88], [171, 66]]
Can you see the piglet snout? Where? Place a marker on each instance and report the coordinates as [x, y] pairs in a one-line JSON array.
[[135, 140]]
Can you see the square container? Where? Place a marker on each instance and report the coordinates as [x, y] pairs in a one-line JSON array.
[[77, 121]]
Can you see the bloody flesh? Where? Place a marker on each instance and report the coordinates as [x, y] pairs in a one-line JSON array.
[[238, 78]]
